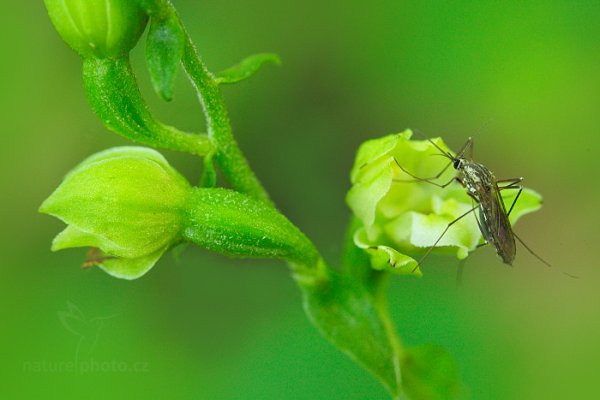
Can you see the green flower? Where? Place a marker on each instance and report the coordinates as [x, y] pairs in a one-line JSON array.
[[128, 202], [99, 28], [130, 206], [400, 217]]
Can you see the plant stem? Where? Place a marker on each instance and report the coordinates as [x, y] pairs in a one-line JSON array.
[[349, 309], [395, 342], [228, 155]]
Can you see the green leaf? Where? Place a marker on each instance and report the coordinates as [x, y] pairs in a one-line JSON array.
[[236, 224], [114, 96], [347, 313], [245, 69], [351, 311], [164, 51], [429, 373]]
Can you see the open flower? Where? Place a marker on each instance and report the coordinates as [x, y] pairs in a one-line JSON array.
[[402, 217], [128, 202]]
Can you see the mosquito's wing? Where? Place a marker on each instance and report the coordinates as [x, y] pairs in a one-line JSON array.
[[493, 220], [498, 226]]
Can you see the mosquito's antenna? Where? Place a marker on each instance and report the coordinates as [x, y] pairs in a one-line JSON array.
[[459, 272], [468, 145], [484, 126], [434, 145], [441, 155]]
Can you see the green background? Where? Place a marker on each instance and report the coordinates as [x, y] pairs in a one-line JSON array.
[[523, 79]]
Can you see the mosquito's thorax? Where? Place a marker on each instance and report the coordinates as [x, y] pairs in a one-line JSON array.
[[476, 178]]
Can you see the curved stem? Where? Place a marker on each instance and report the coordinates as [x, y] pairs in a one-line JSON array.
[[228, 154], [348, 308], [383, 311]]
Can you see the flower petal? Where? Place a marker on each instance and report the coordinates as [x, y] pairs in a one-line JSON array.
[[130, 268], [386, 257], [72, 237], [129, 198], [129, 151], [365, 195]]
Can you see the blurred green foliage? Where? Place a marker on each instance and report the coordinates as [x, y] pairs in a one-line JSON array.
[[523, 79]]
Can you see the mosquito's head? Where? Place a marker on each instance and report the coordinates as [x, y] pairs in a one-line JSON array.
[[458, 162]]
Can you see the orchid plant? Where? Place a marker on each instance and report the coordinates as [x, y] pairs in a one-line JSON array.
[[130, 206]]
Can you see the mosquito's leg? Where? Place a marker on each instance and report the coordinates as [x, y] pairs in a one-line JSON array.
[[459, 272], [541, 259], [442, 235], [471, 195], [478, 223], [513, 183], [473, 198], [531, 251], [514, 202], [468, 145], [428, 180], [418, 179]]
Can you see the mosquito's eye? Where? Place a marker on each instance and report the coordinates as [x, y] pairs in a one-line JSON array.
[[457, 163]]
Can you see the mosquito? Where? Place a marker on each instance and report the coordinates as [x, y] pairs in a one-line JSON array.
[[487, 205]]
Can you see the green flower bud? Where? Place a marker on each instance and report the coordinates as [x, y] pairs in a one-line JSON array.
[[130, 206], [128, 202], [401, 217], [98, 28]]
